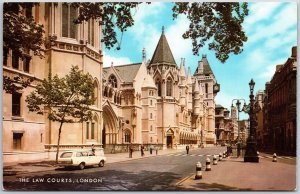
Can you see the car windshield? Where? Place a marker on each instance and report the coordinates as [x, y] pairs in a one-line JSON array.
[[66, 155]]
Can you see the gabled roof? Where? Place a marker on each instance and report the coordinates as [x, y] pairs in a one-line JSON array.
[[126, 72], [163, 53], [206, 67]]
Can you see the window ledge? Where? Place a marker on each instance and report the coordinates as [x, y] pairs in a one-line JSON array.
[[17, 118]]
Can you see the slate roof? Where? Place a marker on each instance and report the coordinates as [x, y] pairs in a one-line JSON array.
[[163, 53], [126, 72], [206, 67]]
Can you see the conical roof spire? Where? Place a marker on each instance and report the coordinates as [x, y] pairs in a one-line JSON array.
[[163, 53]]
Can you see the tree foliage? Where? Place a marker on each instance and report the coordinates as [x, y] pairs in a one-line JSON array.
[[219, 23], [64, 100], [21, 33]]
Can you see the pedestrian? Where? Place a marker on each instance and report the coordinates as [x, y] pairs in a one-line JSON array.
[[130, 151], [156, 149], [187, 149], [142, 150], [93, 150], [151, 149]]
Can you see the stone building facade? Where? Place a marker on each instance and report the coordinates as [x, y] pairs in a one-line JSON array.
[[155, 102], [281, 107], [152, 102], [27, 135], [226, 125]]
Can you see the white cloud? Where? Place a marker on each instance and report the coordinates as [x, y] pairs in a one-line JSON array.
[[107, 60], [260, 11], [180, 47], [282, 22], [225, 99], [146, 33]]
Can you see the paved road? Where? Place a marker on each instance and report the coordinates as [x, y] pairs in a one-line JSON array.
[[154, 173]]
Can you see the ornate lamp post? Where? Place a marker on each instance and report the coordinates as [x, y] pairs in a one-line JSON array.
[[238, 105], [252, 109]]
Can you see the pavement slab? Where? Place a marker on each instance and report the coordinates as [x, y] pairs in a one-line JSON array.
[[234, 174]]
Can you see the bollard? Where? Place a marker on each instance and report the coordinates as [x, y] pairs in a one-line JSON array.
[[224, 155], [257, 153], [220, 156], [198, 171], [215, 162], [274, 157], [208, 167]]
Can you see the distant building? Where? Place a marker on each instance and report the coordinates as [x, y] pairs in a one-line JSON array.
[[259, 98], [244, 130], [281, 107], [226, 125]]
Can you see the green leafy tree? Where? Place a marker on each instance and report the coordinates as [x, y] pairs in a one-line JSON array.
[[64, 100], [21, 34], [218, 24]]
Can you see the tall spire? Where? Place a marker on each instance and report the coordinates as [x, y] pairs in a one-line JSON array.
[[163, 30], [144, 55], [182, 68], [163, 53]]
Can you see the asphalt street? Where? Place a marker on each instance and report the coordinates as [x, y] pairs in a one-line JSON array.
[[163, 172]]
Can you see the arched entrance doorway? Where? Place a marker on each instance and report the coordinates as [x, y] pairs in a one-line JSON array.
[[170, 136], [109, 130]]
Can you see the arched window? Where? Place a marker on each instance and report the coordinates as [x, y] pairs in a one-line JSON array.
[[113, 81], [127, 136], [151, 128], [95, 95], [91, 24], [105, 92], [69, 14], [150, 115], [169, 87], [158, 85]]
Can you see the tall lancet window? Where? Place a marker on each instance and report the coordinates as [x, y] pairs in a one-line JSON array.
[[113, 81], [158, 85], [169, 87], [69, 14]]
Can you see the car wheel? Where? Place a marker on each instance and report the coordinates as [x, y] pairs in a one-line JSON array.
[[101, 163], [81, 166]]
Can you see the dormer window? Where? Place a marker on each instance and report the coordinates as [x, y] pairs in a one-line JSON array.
[[113, 81]]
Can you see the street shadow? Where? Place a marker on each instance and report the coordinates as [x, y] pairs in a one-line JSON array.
[[213, 187], [98, 179]]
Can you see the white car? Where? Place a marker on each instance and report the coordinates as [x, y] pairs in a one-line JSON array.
[[81, 158]]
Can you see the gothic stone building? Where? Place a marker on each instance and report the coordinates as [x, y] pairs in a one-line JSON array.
[[156, 102], [27, 135], [144, 103]]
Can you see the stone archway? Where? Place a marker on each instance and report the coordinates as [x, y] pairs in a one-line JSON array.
[[169, 138], [109, 131]]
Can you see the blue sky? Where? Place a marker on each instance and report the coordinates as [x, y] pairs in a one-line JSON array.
[[271, 28]]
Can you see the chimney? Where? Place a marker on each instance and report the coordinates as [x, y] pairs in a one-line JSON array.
[[294, 52]]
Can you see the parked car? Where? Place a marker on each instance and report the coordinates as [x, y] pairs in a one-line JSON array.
[[81, 158]]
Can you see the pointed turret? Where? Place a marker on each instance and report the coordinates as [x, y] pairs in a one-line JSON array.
[[204, 67], [189, 78], [196, 98], [182, 68], [163, 53]]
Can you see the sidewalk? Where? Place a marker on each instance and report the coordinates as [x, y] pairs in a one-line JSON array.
[[47, 165], [234, 174]]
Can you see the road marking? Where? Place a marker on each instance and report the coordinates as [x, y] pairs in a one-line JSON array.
[[200, 155], [193, 155], [177, 155], [182, 180]]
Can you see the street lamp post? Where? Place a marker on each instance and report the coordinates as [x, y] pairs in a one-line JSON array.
[[251, 150], [238, 105]]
